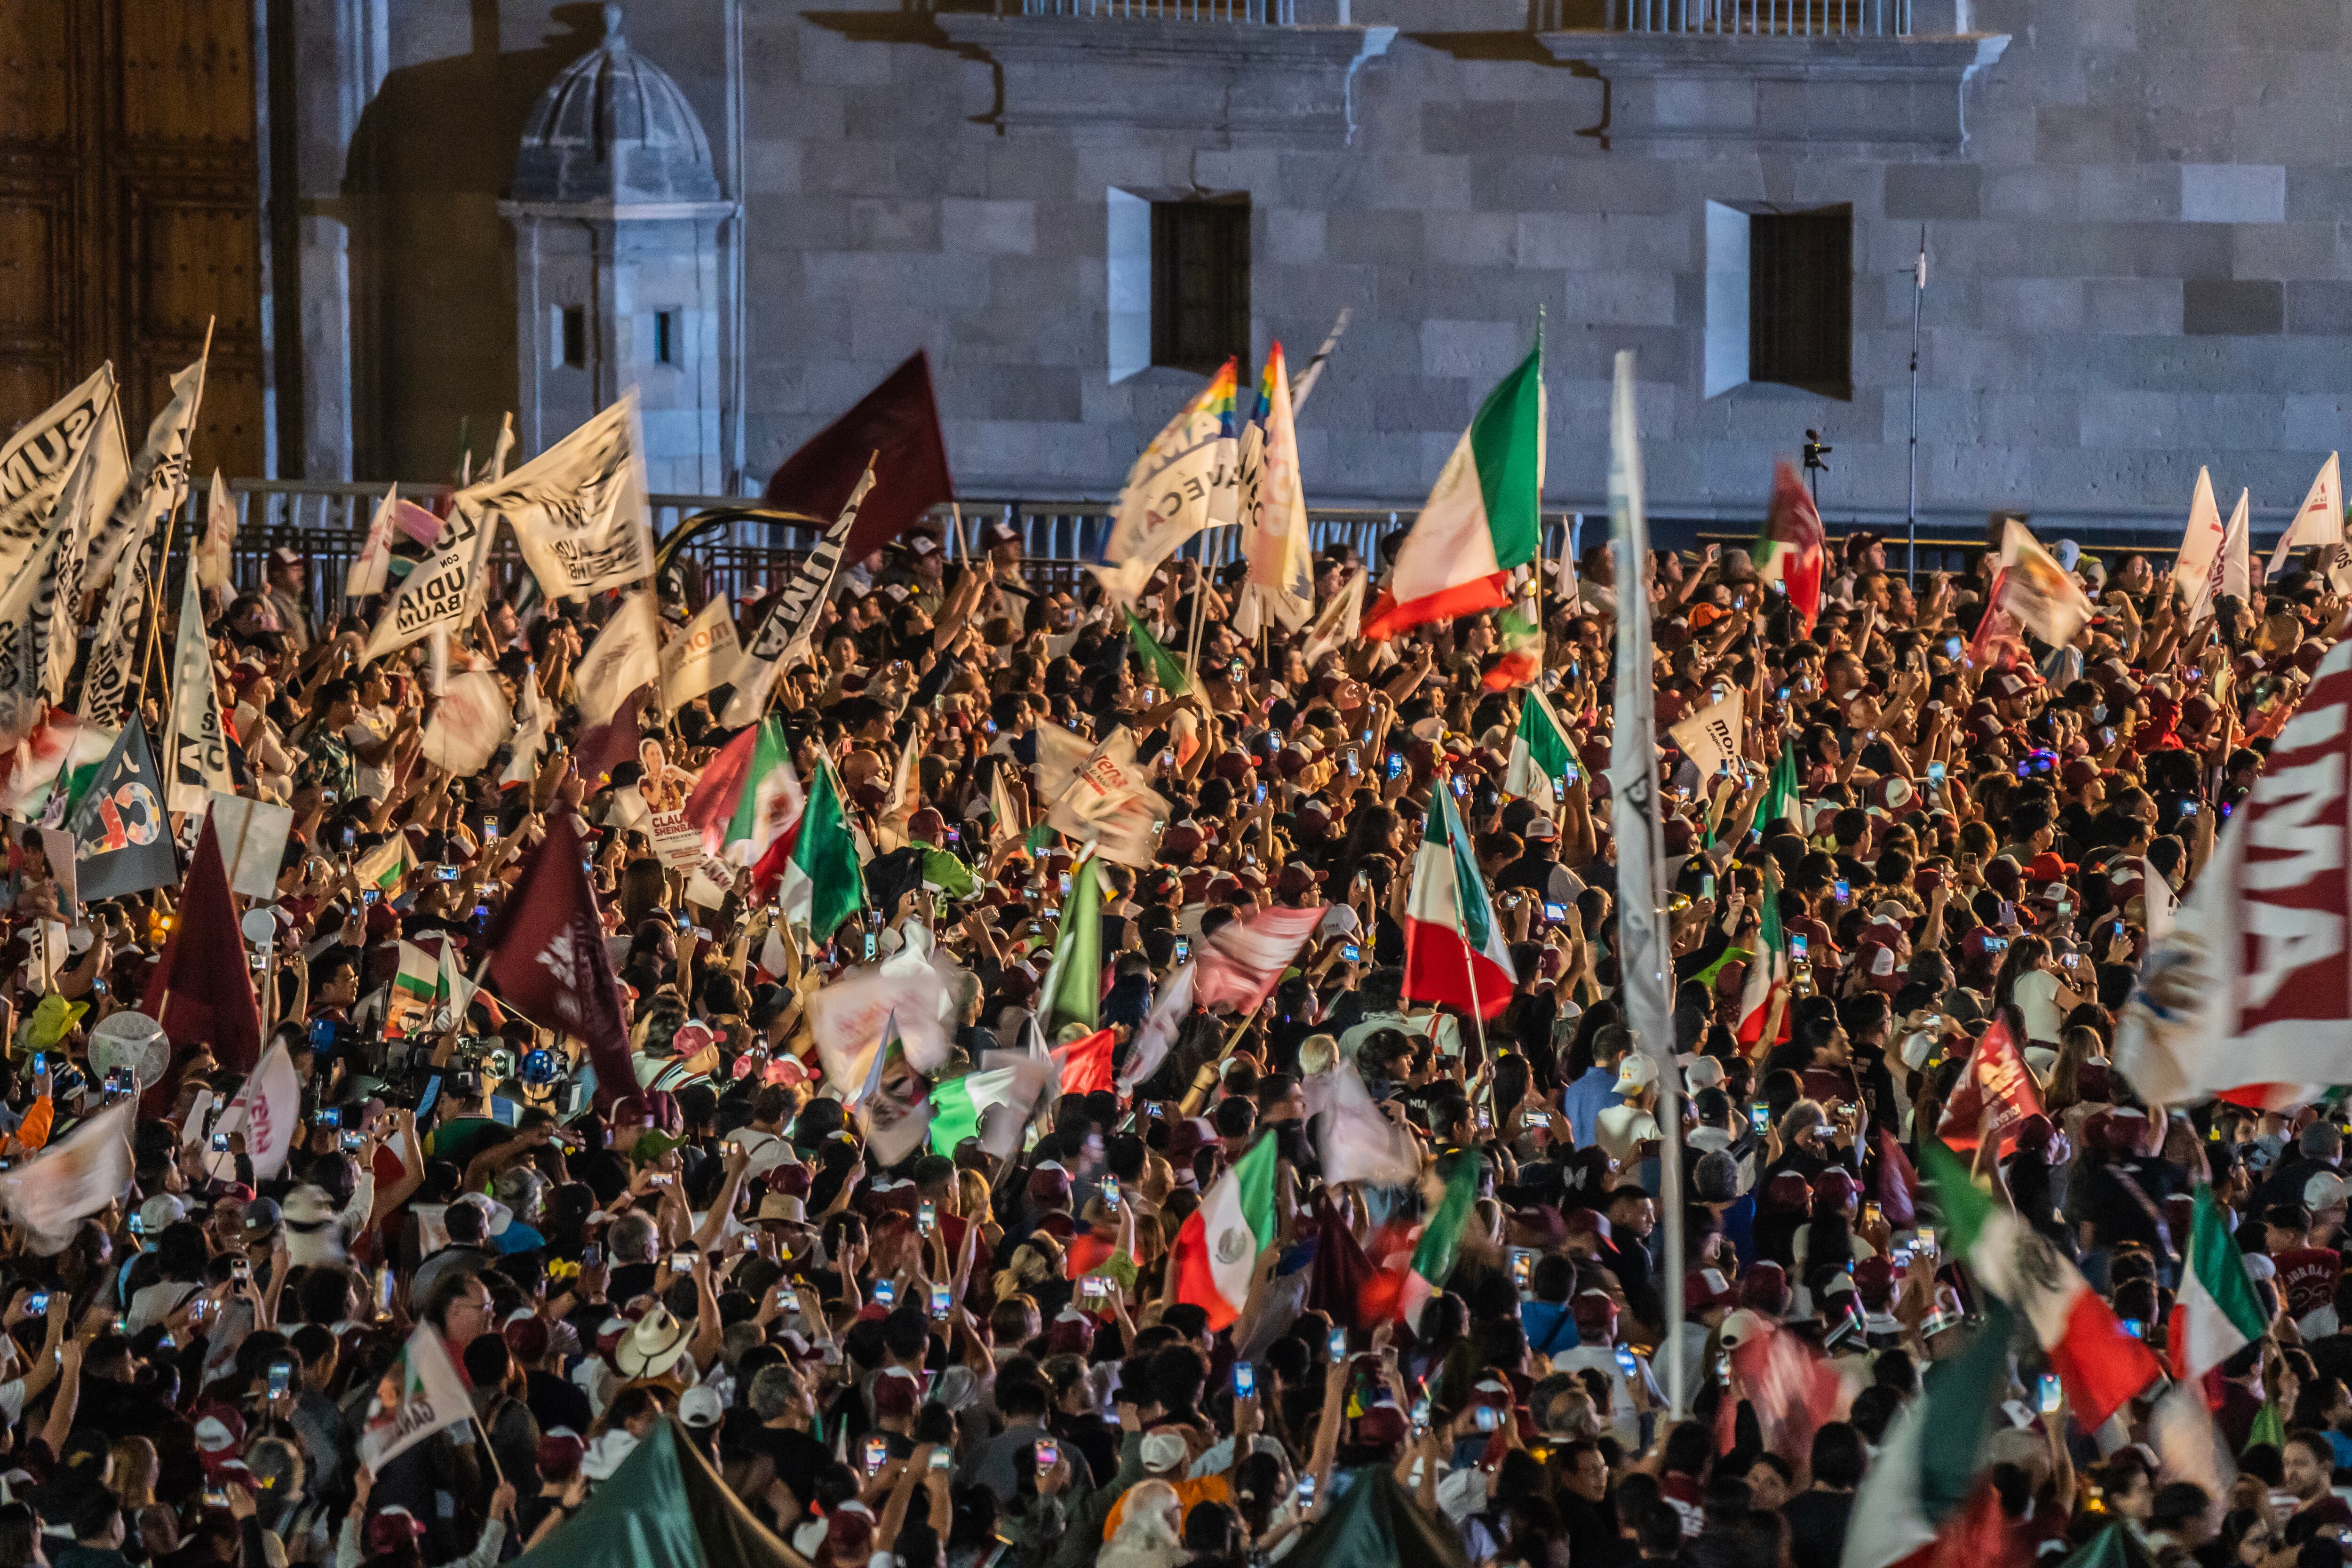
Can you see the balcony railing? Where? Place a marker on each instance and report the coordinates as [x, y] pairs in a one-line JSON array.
[[1278, 13], [1766, 18]]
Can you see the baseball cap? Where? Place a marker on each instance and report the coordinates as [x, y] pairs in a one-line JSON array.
[[1637, 1072]]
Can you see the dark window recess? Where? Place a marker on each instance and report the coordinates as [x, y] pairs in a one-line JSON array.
[[575, 336], [665, 337], [1200, 284], [1801, 300]]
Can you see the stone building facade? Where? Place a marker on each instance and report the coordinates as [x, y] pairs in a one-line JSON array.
[[2135, 214]]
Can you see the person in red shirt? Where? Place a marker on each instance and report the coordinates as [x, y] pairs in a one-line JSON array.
[[2306, 1274]]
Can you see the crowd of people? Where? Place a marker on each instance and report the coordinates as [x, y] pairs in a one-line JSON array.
[[966, 1357]]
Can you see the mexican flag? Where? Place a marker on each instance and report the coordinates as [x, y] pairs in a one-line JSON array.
[[1768, 972], [2100, 1365], [2217, 1314], [1781, 802], [1073, 990], [959, 1105], [1911, 1500], [748, 803], [408, 1003], [1455, 954], [1441, 1240], [1481, 520], [824, 885], [1217, 1249], [418, 1395], [1166, 672], [1519, 640], [1788, 551], [383, 866], [1540, 754]]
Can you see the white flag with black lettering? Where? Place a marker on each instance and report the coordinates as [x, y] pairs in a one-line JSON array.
[[626, 654], [158, 478], [38, 459], [114, 639], [40, 613], [446, 587], [578, 510], [793, 620], [1710, 737], [195, 751], [701, 656]]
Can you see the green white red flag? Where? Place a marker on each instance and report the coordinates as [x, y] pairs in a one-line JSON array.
[[1481, 519], [1217, 1250]]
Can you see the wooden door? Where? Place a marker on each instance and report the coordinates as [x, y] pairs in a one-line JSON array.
[[130, 210]]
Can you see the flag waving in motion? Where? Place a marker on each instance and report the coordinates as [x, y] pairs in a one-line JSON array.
[[1481, 520], [1455, 954], [1216, 1252]]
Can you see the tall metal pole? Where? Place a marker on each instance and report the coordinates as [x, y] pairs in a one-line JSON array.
[[1911, 511]]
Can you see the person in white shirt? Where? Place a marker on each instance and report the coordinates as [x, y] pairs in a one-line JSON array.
[[1623, 1128]]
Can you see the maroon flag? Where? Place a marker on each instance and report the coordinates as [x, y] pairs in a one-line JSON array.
[[608, 745], [548, 958], [1997, 1080], [202, 990], [1336, 1278], [897, 425]]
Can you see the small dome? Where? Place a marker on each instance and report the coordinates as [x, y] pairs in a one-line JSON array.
[[614, 127]]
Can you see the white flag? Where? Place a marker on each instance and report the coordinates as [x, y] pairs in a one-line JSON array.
[[502, 447], [213, 550], [195, 752], [1710, 737], [2157, 900], [158, 479], [2319, 521], [1157, 1036], [531, 730], [626, 654], [1646, 960], [1185, 480], [37, 462], [2248, 987], [71, 1179], [703, 655], [1360, 1144], [252, 834], [2237, 558], [40, 613], [578, 510], [792, 623], [269, 1112], [418, 1395], [1106, 803], [2201, 545], [1004, 818], [2043, 597], [1337, 625], [113, 641], [372, 567], [848, 1018], [469, 723], [445, 588], [1281, 583]]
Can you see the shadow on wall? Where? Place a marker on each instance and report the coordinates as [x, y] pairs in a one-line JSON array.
[[433, 274]]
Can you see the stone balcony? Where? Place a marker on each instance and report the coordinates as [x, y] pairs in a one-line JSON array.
[[1872, 78], [1219, 72]]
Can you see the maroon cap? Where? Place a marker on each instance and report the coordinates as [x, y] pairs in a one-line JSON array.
[[1765, 1289]]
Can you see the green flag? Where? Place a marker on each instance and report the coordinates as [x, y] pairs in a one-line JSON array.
[[824, 885], [1433, 1260], [1166, 672], [1074, 985], [1780, 800]]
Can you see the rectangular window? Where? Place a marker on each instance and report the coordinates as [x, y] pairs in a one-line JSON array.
[[1200, 283], [575, 337], [665, 337], [1801, 300]]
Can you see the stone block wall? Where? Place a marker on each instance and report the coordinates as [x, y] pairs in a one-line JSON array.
[[2139, 260]]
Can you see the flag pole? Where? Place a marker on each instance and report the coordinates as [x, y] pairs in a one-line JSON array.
[[1918, 292]]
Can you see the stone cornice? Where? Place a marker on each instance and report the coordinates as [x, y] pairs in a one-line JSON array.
[[1871, 96], [1238, 81]]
